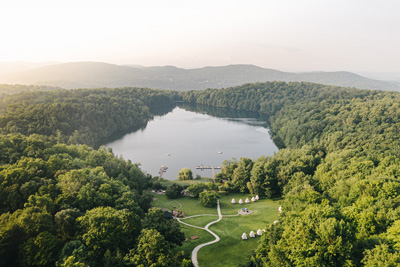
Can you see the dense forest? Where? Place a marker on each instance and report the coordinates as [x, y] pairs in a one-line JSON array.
[[71, 205], [80, 116], [67, 204], [337, 174]]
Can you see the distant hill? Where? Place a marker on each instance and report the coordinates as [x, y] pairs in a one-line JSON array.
[[9, 67], [95, 74], [10, 89]]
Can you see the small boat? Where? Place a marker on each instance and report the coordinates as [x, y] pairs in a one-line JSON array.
[[219, 152], [168, 154]]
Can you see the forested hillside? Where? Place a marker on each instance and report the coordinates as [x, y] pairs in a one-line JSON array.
[[339, 174], [70, 205], [80, 116]]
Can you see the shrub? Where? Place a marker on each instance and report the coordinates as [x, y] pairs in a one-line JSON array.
[[209, 199], [174, 191]]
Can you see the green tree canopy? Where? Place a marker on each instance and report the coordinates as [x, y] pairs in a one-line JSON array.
[[195, 189], [174, 191], [170, 229], [103, 226], [209, 198], [185, 174]]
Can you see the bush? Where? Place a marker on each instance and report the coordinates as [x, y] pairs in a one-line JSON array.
[[209, 199], [157, 185], [174, 191], [195, 189], [211, 186]]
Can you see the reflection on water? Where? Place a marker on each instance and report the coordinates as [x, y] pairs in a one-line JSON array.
[[189, 136]]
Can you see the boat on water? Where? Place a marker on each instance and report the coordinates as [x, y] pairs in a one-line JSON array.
[[168, 154], [219, 152]]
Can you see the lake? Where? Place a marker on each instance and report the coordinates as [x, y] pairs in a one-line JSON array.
[[189, 136]]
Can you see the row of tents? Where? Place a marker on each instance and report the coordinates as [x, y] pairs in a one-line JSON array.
[[247, 201], [252, 234]]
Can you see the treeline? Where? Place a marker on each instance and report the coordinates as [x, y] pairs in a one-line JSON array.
[[300, 113], [339, 175], [269, 176], [80, 116], [71, 205]]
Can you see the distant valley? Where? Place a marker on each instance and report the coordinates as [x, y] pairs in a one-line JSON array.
[[96, 74]]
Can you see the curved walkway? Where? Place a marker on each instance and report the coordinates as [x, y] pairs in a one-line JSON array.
[[197, 216], [196, 249]]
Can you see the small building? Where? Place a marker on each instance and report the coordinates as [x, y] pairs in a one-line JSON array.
[[233, 201], [247, 201], [259, 232], [252, 234], [240, 201], [280, 209], [244, 236]]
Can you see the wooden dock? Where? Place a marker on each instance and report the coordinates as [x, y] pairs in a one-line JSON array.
[[202, 167]]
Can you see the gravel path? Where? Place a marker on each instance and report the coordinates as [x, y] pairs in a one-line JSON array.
[[197, 216], [196, 249]]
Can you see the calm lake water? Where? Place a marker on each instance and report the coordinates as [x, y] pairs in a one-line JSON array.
[[184, 138]]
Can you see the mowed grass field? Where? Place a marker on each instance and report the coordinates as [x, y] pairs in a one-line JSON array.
[[230, 250]]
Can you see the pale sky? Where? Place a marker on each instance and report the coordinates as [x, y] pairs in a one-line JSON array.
[[309, 35]]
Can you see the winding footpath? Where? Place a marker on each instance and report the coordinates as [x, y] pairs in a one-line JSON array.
[[196, 249]]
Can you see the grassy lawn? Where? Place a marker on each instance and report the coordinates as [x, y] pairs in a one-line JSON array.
[[201, 221], [230, 250], [189, 245], [190, 205]]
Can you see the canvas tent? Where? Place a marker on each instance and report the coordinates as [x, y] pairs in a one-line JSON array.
[[233, 201], [240, 201], [244, 236], [252, 234], [257, 197], [253, 199], [247, 201], [259, 232]]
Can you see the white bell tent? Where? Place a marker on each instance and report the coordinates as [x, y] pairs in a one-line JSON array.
[[252, 234]]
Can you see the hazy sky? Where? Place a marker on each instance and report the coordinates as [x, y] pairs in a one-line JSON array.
[[354, 35]]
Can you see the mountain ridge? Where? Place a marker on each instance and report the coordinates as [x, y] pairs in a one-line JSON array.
[[98, 74]]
